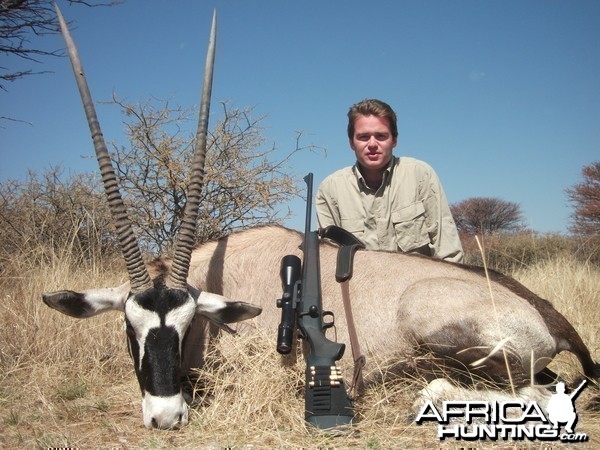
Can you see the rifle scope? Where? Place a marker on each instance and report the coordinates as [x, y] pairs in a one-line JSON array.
[[290, 274]]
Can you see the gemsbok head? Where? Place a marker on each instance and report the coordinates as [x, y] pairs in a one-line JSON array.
[[158, 311]]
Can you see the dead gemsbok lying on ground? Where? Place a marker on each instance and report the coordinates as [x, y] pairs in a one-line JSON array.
[[403, 305]]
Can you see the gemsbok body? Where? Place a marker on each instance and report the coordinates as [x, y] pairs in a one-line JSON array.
[[405, 306]]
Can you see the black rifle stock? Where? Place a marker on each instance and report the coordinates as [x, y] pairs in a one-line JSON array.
[[327, 404]]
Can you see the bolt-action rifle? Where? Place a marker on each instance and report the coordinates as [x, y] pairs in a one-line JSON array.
[[327, 404]]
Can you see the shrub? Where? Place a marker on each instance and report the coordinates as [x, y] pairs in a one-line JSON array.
[[507, 252]]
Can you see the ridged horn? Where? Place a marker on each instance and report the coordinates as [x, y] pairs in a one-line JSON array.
[[138, 275], [187, 232]]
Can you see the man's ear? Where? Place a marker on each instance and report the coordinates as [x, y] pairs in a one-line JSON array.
[[87, 303], [221, 311]]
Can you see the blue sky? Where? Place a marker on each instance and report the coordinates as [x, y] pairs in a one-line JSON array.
[[502, 98]]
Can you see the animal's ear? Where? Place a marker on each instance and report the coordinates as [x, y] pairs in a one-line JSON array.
[[221, 311], [88, 303]]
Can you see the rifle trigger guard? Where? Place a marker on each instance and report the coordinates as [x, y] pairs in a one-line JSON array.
[[327, 325]]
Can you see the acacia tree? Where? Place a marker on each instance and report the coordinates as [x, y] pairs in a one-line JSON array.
[[49, 213], [585, 197], [485, 215], [243, 183]]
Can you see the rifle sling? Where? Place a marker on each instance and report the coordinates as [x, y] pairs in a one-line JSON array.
[[359, 359], [348, 245]]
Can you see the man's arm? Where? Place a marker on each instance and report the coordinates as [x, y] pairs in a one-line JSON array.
[[327, 211], [445, 242]]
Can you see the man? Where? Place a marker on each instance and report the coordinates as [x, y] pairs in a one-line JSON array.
[[389, 203]]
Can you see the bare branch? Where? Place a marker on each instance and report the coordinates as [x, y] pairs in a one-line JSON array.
[[243, 184], [585, 197], [21, 22]]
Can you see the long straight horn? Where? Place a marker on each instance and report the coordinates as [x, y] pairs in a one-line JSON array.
[[138, 275], [187, 231]]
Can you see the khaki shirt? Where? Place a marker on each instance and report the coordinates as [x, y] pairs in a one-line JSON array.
[[409, 211]]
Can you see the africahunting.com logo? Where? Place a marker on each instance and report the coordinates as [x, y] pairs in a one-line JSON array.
[[507, 420]]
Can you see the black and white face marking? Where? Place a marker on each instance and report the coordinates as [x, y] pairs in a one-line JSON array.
[[156, 322]]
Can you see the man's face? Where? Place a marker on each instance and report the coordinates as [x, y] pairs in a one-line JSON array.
[[372, 142]]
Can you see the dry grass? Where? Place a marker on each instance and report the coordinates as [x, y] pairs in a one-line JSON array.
[[67, 382], [574, 289]]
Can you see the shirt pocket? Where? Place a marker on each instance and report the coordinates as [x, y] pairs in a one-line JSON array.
[[410, 227], [354, 226]]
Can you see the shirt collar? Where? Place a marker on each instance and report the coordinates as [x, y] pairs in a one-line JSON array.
[[386, 174]]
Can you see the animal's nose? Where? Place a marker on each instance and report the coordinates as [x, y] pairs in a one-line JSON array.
[[167, 425], [164, 413]]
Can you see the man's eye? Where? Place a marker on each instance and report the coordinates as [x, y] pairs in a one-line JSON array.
[[377, 136]]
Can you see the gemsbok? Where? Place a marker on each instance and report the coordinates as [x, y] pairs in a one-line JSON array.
[[158, 311], [406, 306], [413, 314]]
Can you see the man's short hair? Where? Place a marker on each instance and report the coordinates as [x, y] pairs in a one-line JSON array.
[[372, 107]]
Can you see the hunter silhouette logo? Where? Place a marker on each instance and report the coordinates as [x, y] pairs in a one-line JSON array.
[[561, 407], [507, 420]]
